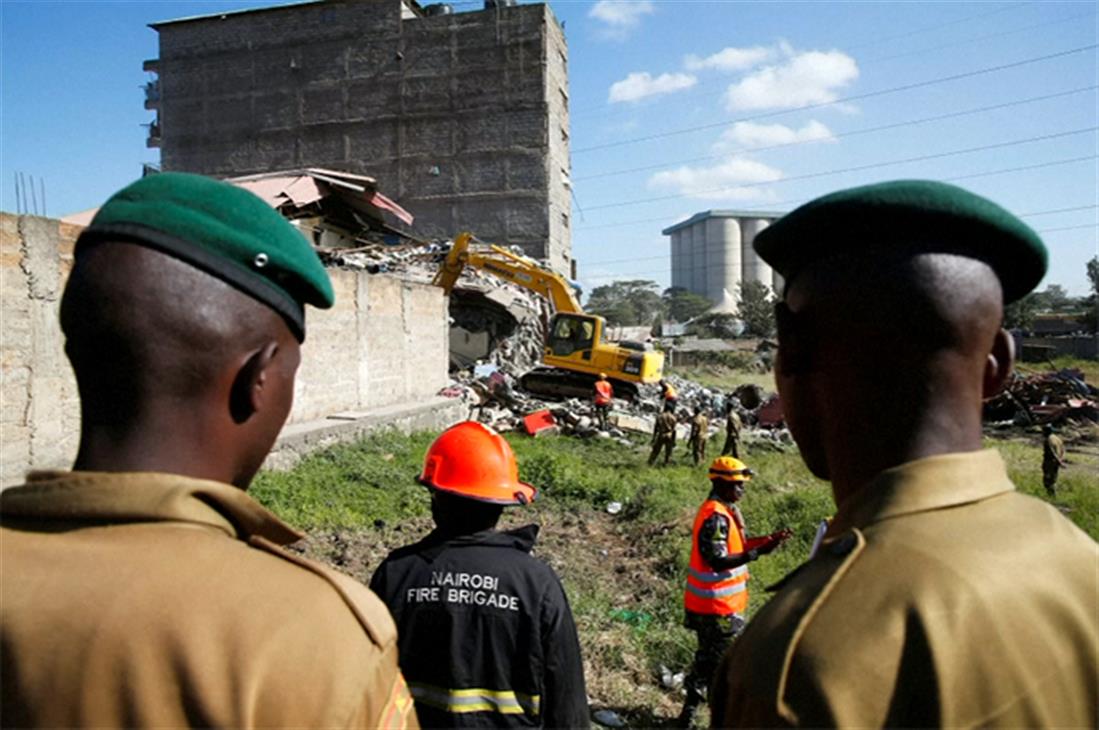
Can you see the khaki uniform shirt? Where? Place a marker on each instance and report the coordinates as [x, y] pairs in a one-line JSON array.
[[700, 427], [940, 597], [1053, 451], [664, 429], [732, 425], [139, 600]]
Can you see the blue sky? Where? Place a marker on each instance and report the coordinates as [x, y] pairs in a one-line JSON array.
[[677, 107]]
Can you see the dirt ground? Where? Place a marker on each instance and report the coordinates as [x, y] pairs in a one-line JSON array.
[[594, 554]]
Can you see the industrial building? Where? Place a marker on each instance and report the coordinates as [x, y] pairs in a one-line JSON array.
[[712, 252], [462, 117]]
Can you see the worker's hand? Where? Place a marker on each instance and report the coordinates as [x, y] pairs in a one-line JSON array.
[[774, 540]]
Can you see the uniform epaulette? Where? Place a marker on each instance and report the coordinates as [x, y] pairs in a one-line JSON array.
[[371, 613]]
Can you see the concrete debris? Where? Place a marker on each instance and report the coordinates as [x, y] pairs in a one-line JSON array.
[[1036, 399], [497, 400]]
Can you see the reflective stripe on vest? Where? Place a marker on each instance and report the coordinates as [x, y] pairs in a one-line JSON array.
[[476, 699], [716, 592], [708, 577]]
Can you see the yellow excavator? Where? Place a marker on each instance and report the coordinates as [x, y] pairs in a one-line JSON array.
[[574, 353]]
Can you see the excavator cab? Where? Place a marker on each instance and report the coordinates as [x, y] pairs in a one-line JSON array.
[[570, 334]]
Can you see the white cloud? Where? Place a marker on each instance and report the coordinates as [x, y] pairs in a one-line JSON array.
[[730, 59], [812, 77], [748, 135], [639, 85], [735, 179], [620, 16]]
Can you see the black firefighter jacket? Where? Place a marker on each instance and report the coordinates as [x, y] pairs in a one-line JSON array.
[[485, 633]]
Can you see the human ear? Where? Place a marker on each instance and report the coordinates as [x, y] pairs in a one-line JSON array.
[[250, 386], [998, 364]]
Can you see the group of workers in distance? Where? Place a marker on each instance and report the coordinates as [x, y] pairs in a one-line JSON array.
[[145, 588]]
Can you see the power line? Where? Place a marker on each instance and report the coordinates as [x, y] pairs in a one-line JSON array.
[[1023, 215], [841, 100], [603, 111], [663, 270], [857, 168], [844, 135], [797, 201]]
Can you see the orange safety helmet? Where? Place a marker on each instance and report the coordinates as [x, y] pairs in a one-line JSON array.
[[471, 460], [729, 469]]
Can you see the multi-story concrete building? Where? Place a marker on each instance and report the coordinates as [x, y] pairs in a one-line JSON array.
[[712, 252], [462, 117]]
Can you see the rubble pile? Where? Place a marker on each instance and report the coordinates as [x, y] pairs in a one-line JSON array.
[[1040, 398], [494, 398]]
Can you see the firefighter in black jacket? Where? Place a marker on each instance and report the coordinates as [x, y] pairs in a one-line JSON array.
[[486, 635]]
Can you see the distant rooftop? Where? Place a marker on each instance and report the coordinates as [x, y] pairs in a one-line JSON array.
[[705, 215], [243, 11]]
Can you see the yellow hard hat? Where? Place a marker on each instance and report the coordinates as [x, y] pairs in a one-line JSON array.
[[729, 469], [602, 376]]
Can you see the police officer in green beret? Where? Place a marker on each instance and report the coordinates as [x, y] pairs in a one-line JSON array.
[[144, 588], [941, 596]]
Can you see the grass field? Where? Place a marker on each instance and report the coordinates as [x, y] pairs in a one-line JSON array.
[[623, 572]]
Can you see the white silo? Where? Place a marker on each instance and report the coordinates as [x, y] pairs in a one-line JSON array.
[[698, 257], [754, 268], [677, 258], [731, 242]]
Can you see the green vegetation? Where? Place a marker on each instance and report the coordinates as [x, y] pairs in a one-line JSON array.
[[724, 377], [624, 572]]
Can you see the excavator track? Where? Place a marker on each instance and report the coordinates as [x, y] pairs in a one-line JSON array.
[[557, 383]]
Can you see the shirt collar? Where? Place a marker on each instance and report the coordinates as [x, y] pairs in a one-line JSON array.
[[932, 483], [84, 496]]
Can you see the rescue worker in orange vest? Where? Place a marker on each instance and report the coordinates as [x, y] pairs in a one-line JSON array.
[[486, 636], [667, 392], [604, 394], [716, 597]]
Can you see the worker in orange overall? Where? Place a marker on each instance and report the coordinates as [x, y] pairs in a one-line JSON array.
[[668, 394], [604, 395], [716, 597]]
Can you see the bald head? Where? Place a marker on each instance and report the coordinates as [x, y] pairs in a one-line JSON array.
[[162, 348], [885, 358]]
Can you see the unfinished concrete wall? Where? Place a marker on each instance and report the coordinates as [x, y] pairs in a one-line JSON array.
[[379, 355], [462, 118], [39, 407]]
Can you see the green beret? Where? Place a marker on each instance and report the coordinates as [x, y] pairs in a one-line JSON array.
[[914, 215], [223, 230]]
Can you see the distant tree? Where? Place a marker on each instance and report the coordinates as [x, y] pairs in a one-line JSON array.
[[1090, 317], [716, 324], [755, 306], [1054, 299], [682, 305], [658, 326], [627, 303], [1019, 315]]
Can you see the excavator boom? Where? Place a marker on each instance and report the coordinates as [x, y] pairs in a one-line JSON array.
[[574, 352]]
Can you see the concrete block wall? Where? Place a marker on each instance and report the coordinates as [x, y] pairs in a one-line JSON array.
[[39, 405], [462, 118], [382, 349]]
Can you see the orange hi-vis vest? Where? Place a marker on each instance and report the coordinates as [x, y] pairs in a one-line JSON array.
[[603, 392], [669, 392], [716, 592]]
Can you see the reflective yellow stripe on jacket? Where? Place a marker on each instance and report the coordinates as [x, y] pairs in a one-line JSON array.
[[476, 699]]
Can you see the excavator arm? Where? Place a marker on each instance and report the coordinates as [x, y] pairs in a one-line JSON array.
[[509, 267]]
